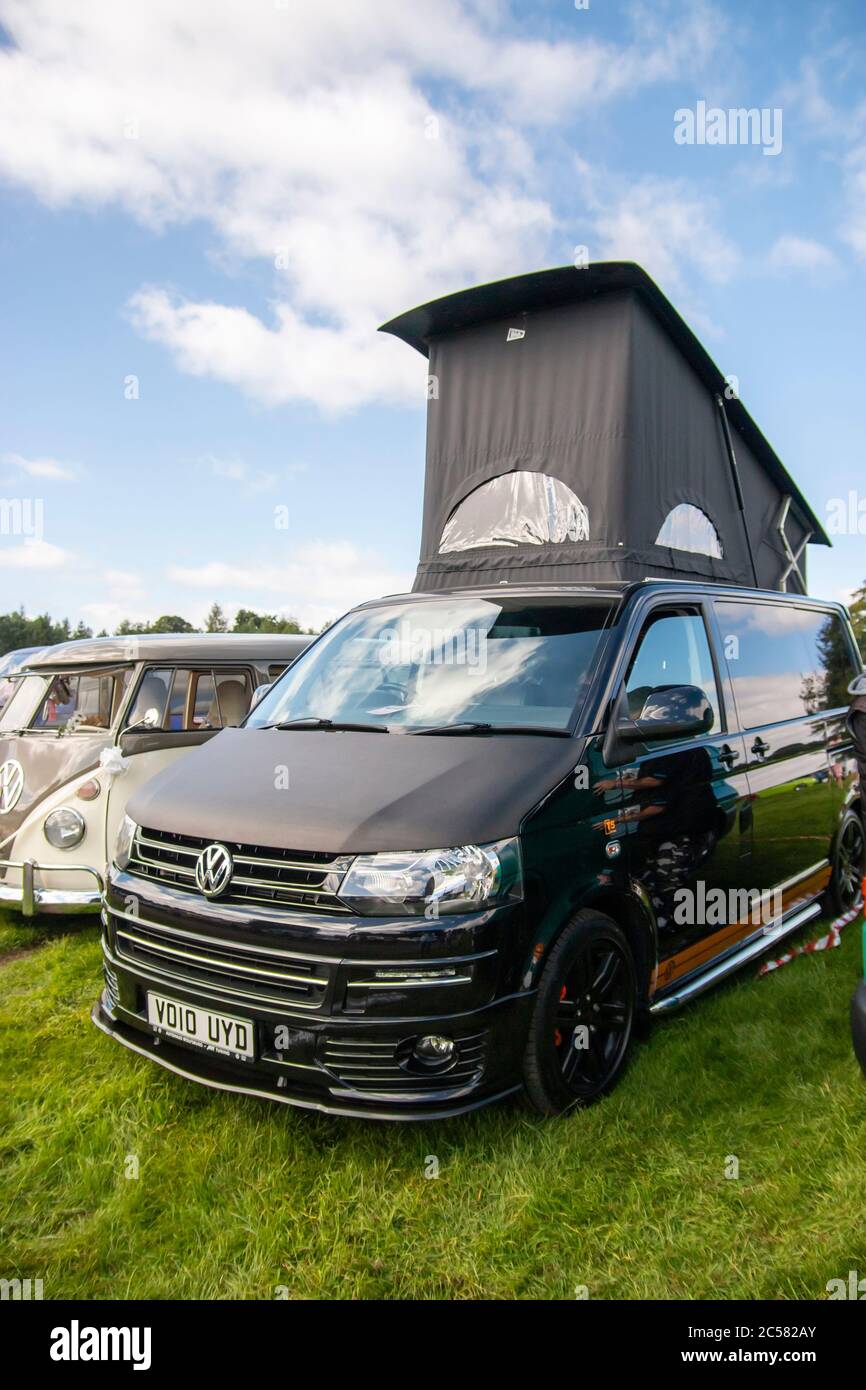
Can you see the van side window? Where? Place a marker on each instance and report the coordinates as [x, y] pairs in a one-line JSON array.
[[785, 662], [222, 699], [187, 699], [152, 694], [673, 650]]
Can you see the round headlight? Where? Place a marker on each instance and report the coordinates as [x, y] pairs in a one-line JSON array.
[[64, 828]]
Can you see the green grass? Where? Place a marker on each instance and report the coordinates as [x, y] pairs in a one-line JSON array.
[[236, 1197]]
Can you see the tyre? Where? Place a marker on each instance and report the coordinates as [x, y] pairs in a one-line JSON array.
[[845, 888], [583, 1018]]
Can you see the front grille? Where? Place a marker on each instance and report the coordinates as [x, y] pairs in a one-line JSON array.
[[279, 877], [222, 970], [374, 1067]]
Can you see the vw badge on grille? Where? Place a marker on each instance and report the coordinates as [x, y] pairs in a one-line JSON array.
[[213, 870], [11, 784]]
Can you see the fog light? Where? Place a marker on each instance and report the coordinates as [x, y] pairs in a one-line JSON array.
[[435, 1051], [64, 828]]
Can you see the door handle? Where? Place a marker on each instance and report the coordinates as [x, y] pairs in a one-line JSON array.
[[760, 748], [728, 755]]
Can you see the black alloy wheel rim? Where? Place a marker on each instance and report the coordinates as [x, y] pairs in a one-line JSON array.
[[850, 864], [593, 1017]]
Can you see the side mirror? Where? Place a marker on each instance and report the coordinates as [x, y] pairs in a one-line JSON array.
[[259, 694], [149, 720], [670, 711]]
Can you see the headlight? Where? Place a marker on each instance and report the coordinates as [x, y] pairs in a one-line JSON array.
[[123, 843], [64, 828], [429, 882]]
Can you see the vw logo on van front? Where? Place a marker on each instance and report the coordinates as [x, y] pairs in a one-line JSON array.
[[11, 784], [213, 870]]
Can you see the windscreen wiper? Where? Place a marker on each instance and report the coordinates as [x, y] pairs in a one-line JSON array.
[[471, 727], [312, 721]]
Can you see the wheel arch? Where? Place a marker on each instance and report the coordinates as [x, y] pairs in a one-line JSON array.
[[632, 911], [627, 905]]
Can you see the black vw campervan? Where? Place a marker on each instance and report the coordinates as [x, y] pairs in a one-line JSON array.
[[594, 763]]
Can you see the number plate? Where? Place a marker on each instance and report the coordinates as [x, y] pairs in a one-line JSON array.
[[202, 1028]]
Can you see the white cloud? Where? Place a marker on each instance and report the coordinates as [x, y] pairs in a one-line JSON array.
[[300, 133], [124, 594], [33, 554], [800, 253], [322, 580], [40, 468], [838, 128], [124, 584], [664, 224], [105, 617], [288, 360]]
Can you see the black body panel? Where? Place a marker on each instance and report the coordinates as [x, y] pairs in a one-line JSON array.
[[354, 792]]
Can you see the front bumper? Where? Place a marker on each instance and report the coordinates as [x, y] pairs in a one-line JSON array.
[[334, 1007], [31, 900], [858, 1023], [220, 1075]]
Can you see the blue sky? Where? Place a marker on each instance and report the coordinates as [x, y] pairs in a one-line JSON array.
[[223, 200]]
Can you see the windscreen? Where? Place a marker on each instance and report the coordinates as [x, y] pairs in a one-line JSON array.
[[514, 661], [80, 700], [27, 692]]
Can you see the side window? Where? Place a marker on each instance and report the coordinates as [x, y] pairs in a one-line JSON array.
[[205, 714], [152, 694], [688, 528], [177, 701], [673, 650], [222, 699], [186, 699], [785, 662], [833, 663], [516, 509]]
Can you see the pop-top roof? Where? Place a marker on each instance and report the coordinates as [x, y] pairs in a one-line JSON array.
[[547, 289], [578, 430]]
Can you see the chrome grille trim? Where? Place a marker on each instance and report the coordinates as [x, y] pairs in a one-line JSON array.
[[216, 963], [325, 865], [411, 984], [251, 974], [112, 985], [219, 996], [351, 1062], [202, 937], [295, 879]]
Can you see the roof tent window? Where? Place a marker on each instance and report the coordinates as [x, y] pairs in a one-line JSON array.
[[688, 528], [516, 509]]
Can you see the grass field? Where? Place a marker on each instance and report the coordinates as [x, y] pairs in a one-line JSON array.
[[236, 1198]]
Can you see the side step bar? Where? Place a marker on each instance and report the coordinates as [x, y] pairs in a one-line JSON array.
[[756, 946]]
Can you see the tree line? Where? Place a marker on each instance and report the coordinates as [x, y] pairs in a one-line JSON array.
[[17, 630]]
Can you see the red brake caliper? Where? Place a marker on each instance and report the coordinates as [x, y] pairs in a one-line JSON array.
[[557, 1036]]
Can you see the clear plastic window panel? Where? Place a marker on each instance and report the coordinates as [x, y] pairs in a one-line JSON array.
[[516, 509]]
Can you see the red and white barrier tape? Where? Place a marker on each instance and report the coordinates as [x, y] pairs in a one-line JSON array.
[[828, 942]]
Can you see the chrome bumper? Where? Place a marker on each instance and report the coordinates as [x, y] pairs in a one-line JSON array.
[[32, 900]]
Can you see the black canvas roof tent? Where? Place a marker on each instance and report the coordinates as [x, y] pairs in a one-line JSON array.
[[606, 423]]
